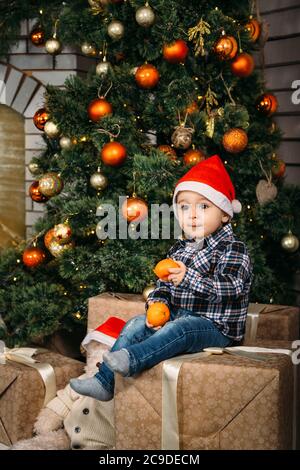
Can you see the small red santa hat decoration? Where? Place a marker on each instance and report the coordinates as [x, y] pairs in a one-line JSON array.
[[210, 179]]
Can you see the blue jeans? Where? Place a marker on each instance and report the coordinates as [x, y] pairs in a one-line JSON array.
[[185, 332]]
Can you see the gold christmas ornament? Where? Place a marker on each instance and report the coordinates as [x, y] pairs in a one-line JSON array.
[[50, 184], [56, 249], [98, 180], [115, 29], [53, 46], [65, 143], [266, 192], [148, 290], [182, 137], [145, 16], [235, 140], [34, 168], [103, 67], [62, 233], [88, 49], [290, 242], [51, 129]]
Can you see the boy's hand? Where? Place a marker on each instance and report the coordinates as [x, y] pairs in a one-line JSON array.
[[177, 274], [149, 324]]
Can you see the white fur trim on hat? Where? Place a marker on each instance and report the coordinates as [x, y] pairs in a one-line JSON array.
[[236, 206], [216, 197]]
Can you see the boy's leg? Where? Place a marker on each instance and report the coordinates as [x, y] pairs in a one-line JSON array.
[[186, 334]]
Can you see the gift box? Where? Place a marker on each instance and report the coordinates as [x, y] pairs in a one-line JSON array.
[[221, 401], [25, 389]]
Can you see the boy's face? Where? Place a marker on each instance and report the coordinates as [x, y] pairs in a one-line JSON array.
[[198, 217]]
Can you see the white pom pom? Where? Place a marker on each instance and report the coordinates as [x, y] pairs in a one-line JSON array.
[[236, 206]]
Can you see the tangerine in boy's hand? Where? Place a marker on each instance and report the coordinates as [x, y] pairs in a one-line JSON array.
[[158, 314], [162, 268]]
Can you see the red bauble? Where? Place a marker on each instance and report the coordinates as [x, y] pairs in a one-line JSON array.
[[226, 47], [176, 52], [193, 156], [235, 140], [242, 65], [278, 168], [267, 104], [253, 28], [134, 209], [113, 153], [147, 76], [33, 256], [36, 194], [37, 36], [40, 118], [99, 108]]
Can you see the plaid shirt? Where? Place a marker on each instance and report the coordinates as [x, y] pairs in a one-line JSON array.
[[217, 281]]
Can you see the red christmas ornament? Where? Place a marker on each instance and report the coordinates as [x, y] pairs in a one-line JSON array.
[[147, 76], [235, 140], [99, 108], [226, 47], [278, 167], [36, 194], [242, 65], [40, 118], [176, 52], [267, 104], [254, 29], [37, 36], [134, 209], [33, 256], [113, 153], [193, 156]]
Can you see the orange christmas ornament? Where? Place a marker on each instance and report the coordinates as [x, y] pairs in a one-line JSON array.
[[193, 156], [169, 151], [35, 193], [147, 76], [33, 256], [134, 209], [242, 65], [37, 36], [158, 314], [226, 47], [175, 52], [113, 153], [278, 167], [40, 118], [162, 268], [49, 237], [99, 108], [192, 108], [235, 140], [266, 104], [253, 28]]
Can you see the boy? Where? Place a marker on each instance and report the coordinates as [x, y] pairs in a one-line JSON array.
[[208, 294]]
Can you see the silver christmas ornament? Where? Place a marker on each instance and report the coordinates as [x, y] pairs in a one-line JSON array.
[[53, 46], [290, 242], [98, 180], [103, 67], [115, 29], [51, 129], [65, 143], [88, 49], [145, 16]]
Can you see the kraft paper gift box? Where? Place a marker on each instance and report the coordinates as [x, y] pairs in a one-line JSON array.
[[22, 391], [223, 402]]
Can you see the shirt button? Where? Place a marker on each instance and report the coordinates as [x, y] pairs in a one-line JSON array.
[[77, 429], [98, 364], [85, 411]]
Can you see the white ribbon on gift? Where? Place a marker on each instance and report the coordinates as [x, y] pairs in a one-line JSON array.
[[170, 374], [24, 356]]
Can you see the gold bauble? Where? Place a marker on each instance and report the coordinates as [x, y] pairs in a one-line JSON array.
[[290, 242], [50, 184], [148, 290], [182, 137], [103, 67], [98, 181], [53, 46], [235, 140], [62, 233], [115, 29], [51, 129], [65, 143], [145, 16], [88, 49], [34, 168], [56, 249]]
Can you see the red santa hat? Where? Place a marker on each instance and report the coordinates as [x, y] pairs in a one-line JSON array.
[[210, 179]]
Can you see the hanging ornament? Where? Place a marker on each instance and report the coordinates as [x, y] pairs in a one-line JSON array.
[[115, 30], [34, 168], [147, 290], [182, 137], [51, 129], [97, 6], [226, 47], [242, 65], [266, 104], [278, 167], [50, 184], [290, 242], [62, 232], [56, 249], [169, 151], [37, 36], [147, 76], [88, 49], [175, 52], [113, 153], [100, 107], [192, 108], [196, 34], [35, 193], [41, 116], [33, 256], [145, 16], [134, 209], [49, 237], [266, 192], [193, 156], [103, 67], [52, 45], [253, 28], [65, 143], [98, 180], [235, 140]]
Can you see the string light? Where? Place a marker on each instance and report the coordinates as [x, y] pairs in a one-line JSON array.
[[15, 279], [18, 261]]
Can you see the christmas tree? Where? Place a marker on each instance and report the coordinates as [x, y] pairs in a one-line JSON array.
[[175, 82]]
